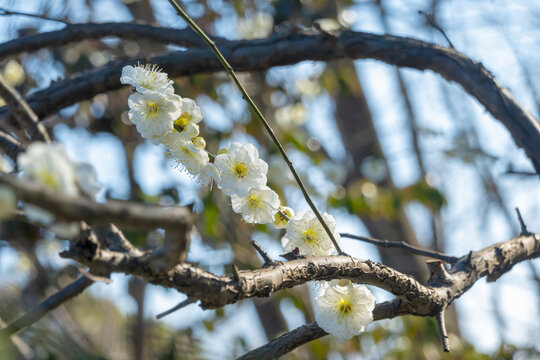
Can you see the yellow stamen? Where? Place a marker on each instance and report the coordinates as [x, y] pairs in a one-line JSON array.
[[183, 120], [240, 170], [152, 109], [48, 179], [310, 236], [253, 202], [344, 307]]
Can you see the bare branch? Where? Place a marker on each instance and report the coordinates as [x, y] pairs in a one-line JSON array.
[[182, 304], [285, 50], [52, 302], [7, 12], [78, 32], [123, 213], [22, 112], [403, 245], [524, 231], [267, 259], [10, 146], [442, 330], [431, 21]]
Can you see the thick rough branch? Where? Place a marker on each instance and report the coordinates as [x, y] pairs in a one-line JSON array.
[[216, 291], [285, 50], [78, 32], [122, 213]]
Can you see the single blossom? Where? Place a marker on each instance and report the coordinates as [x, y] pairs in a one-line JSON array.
[[147, 79], [344, 310], [280, 222], [258, 206], [192, 158], [306, 233], [191, 114], [240, 169], [49, 165], [154, 114]]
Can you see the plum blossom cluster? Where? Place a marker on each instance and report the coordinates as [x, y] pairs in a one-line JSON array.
[[160, 115]]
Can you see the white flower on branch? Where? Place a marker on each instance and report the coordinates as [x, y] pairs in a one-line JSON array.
[[154, 114], [344, 309], [191, 114], [240, 169], [192, 158], [258, 206], [306, 233], [49, 165], [147, 79]]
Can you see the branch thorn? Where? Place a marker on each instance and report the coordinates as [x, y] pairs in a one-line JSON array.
[[524, 231]]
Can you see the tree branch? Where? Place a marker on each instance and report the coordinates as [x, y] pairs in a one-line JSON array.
[[217, 291], [49, 304], [10, 146], [79, 32], [403, 245], [279, 50], [22, 112], [122, 213]]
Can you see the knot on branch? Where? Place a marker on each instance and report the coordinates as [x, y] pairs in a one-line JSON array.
[[438, 273]]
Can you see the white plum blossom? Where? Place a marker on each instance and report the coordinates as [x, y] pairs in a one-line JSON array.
[[192, 158], [344, 309], [154, 114], [147, 79], [49, 165], [191, 114], [208, 174], [306, 233], [240, 169], [258, 206], [280, 222]]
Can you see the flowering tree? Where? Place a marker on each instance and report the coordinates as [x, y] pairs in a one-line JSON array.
[[46, 188]]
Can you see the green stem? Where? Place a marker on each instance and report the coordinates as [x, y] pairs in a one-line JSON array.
[[259, 115]]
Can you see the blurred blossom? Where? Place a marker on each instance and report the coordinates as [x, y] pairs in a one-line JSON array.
[[256, 27], [276, 175], [8, 201], [374, 169], [291, 116], [328, 24], [308, 87], [335, 172], [346, 17], [14, 73]]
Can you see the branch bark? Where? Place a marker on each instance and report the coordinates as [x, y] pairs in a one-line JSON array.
[[122, 213], [279, 50]]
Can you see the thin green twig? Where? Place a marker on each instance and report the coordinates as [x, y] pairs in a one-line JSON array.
[[259, 115]]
